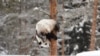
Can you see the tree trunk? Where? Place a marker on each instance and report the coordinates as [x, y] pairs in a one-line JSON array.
[[53, 12], [92, 44]]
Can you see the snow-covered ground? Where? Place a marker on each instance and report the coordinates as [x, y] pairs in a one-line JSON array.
[[89, 53]]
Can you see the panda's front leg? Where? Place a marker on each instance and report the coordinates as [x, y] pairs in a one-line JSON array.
[[50, 36]]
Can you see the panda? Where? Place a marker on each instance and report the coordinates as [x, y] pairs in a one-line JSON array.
[[45, 30]]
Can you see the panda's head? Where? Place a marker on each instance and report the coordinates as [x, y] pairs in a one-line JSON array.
[[42, 41], [43, 28]]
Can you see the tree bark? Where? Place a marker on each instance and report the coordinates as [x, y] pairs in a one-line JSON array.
[[53, 12], [92, 44]]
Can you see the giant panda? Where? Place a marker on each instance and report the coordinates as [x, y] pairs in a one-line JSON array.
[[45, 29]]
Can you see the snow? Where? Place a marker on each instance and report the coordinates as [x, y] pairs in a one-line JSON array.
[[3, 51], [78, 37], [89, 53], [76, 47], [36, 8]]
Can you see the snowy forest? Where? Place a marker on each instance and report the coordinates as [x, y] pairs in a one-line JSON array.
[[18, 19]]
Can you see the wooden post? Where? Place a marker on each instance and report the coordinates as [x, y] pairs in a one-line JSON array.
[[53, 12], [92, 44]]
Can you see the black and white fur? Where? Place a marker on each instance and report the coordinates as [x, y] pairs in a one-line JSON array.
[[45, 29]]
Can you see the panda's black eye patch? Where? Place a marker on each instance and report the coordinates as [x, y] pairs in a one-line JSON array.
[[45, 43], [39, 43]]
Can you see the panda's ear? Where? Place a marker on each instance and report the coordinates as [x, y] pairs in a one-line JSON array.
[[40, 43]]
